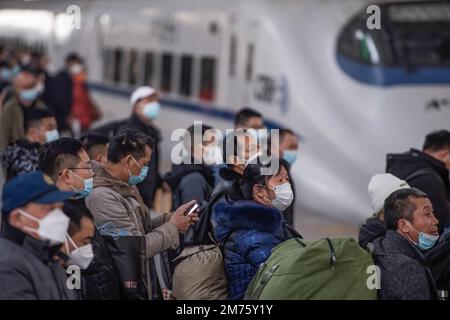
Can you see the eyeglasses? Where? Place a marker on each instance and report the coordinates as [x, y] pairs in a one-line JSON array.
[[91, 171]]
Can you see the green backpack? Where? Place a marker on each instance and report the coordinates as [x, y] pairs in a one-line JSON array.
[[325, 269]]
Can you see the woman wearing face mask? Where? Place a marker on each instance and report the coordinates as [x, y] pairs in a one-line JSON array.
[[250, 223]]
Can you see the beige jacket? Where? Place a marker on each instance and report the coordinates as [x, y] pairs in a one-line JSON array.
[[117, 202], [12, 121]]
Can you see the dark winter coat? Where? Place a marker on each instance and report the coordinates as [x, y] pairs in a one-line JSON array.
[[250, 232], [435, 183], [404, 274], [28, 270]]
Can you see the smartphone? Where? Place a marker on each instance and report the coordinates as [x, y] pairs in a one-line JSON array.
[[192, 209]]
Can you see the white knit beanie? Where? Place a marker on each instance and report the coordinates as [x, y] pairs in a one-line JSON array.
[[382, 186]]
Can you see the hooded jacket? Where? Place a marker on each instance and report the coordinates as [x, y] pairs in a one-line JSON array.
[[189, 181], [249, 232], [374, 228], [435, 183], [404, 274]]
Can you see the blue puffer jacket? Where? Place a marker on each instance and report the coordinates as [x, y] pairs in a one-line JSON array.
[[250, 232]]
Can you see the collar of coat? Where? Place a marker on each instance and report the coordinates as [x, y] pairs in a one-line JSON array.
[[395, 243], [245, 214], [104, 179]]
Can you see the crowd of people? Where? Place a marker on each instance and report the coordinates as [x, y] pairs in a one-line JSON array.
[[85, 198]]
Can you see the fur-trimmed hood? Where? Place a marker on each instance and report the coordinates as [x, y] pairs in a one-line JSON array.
[[245, 214]]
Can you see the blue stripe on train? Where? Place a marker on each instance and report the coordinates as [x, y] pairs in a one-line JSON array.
[[180, 105], [389, 76]]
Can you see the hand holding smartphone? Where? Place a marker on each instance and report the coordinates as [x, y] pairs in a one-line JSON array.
[[192, 209]]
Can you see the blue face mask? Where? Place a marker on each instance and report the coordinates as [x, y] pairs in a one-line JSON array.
[[426, 241], [51, 135], [5, 74], [15, 70], [133, 180], [88, 186], [151, 110], [29, 95], [290, 156]]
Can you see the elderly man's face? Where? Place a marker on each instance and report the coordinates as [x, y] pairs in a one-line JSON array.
[[423, 219]]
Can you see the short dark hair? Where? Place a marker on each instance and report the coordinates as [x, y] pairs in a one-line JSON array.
[[399, 206], [284, 131], [129, 142], [191, 134], [243, 115], [76, 210], [94, 139], [74, 57], [437, 140], [34, 117], [58, 155]]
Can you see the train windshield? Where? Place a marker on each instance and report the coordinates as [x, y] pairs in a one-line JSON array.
[[420, 33], [412, 45]]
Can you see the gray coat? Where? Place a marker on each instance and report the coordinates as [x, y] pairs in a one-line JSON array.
[[404, 275], [28, 272], [121, 205]]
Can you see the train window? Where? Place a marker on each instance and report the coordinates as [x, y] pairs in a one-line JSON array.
[[108, 66], [207, 78], [233, 56], [420, 33], [118, 58], [186, 75], [166, 72], [249, 64], [133, 67], [148, 68]]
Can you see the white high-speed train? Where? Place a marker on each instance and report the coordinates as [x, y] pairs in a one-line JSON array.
[[354, 94]]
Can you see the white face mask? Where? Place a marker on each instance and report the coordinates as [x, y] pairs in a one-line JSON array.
[[76, 68], [52, 227], [213, 155], [283, 196], [80, 256]]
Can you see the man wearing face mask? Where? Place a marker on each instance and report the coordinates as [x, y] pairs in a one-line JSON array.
[[118, 208], [249, 222], [145, 110], [27, 89], [192, 179], [34, 229], [23, 155], [411, 231], [288, 150], [428, 170], [68, 164]]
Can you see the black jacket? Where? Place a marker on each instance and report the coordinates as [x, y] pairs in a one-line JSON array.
[[148, 187], [435, 184], [188, 182], [404, 274], [374, 228], [28, 270], [289, 213], [58, 96]]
